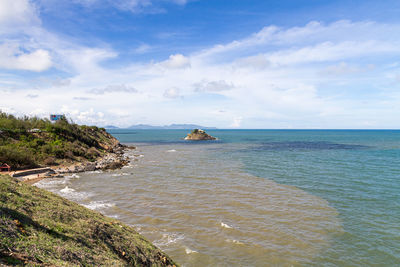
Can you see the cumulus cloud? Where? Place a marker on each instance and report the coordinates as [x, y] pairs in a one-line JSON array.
[[213, 86], [177, 61], [172, 93], [117, 88], [272, 78], [17, 13], [237, 121], [11, 57], [90, 116]]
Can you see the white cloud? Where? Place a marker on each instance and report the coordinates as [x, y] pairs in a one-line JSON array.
[[274, 78], [177, 61], [131, 5], [61, 82], [11, 57], [116, 88], [90, 116], [258, 62], [134, 6], [172, 93], [213, 86], [328, 51], [32, 95], [142, 49], [16, 13], [81, 98], [237, 122]]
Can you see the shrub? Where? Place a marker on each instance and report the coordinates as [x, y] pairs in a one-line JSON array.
[[17, 157], [50, 161]]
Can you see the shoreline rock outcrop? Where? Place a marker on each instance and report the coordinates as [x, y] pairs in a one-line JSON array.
[[198, 134], [112, 160], [115, 158]]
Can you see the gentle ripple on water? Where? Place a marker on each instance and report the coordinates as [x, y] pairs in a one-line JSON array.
[[205, 211]]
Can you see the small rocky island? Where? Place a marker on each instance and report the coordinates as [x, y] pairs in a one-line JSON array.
[[198, 134]]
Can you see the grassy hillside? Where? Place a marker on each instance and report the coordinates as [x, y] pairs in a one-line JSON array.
[[33, 142], [40, 228]]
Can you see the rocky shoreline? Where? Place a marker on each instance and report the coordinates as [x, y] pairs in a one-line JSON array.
[[116, 158], [112, 160]]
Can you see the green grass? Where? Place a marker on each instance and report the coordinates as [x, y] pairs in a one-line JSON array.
[[39, 228], [52, 144]]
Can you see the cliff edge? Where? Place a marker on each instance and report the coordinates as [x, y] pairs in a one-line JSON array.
[[27, 143]]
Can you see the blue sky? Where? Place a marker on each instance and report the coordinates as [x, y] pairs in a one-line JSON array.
[[229, 64]]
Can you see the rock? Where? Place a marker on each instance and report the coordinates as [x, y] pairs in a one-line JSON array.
[[89, 167], [112, 160], [198, 134]]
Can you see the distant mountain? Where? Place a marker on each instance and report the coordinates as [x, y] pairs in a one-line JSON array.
[[144, 127], [110, 127], [171, 127]]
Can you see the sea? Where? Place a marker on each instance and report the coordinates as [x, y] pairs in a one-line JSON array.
[[255, 197]]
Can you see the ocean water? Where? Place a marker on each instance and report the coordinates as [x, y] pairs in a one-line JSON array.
[[255, 197]]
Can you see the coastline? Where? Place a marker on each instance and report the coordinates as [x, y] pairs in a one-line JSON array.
[[115, 159], [40, 228], [166, 202], [115, 242]]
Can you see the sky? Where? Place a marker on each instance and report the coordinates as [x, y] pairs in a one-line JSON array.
[[257, 64]]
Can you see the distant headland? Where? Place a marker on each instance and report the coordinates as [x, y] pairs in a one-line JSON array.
[[164, 127]]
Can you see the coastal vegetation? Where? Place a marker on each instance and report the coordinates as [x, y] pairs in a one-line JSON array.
[[29, 142], [39, 228]]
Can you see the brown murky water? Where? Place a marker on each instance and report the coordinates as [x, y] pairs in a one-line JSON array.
[[204, 210]]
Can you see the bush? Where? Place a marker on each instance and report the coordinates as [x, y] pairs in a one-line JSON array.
[[60, 140], [17, 157], [50, 161]]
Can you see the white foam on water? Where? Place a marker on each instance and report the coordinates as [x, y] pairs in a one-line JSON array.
[[190, 251], [225, 225], [234, 241], [98, 205], [96, 171], [74, 175], [48, 183], [168, 239], [71, 194], [67, 190], [115, 216], [171, 150]]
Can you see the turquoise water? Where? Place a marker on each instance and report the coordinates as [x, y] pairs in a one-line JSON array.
[[356, 172]]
